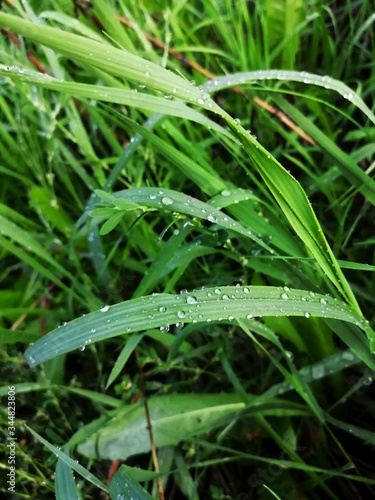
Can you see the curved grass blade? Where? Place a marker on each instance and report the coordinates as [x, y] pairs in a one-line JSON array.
[[127, 97], [293, 76], [297, 208], [174, 201], [211, 304], [109, 59], [211, 183], [233, 196]]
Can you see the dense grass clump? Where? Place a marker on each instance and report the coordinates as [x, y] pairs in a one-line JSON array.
[[187, 242]]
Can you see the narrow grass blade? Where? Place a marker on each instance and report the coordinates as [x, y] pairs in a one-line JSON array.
[[25, 239], [349, 167], [11, 336], [281, 21], [139, 100], [123, 358], [293, 76], [297, 208], [109, 59], [69, 461]]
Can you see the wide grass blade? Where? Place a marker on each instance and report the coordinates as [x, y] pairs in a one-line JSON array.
[[174, 201], [65, 485], [124, 487], [211, 304], [174, 417]]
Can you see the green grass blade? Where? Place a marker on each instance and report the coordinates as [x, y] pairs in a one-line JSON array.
[[211, 304], [125, 354], [174, 417], [65, 485], [281, 21], [25, 238], [69, 461], [349, 167], [124, 487], [109, 59], [297, 208], [174, 201], [139, 100], [293, 76]]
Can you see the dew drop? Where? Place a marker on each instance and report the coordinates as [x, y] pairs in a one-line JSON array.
[[181, 314], [104, 309], [162, 309], [191, 299], [307, 315], [368, 381], [246, 290], [317, 372], [323, 301], [284, 296], [167, 201], [348, 356]]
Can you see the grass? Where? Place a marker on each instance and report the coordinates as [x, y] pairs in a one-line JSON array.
[[186, 232]]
